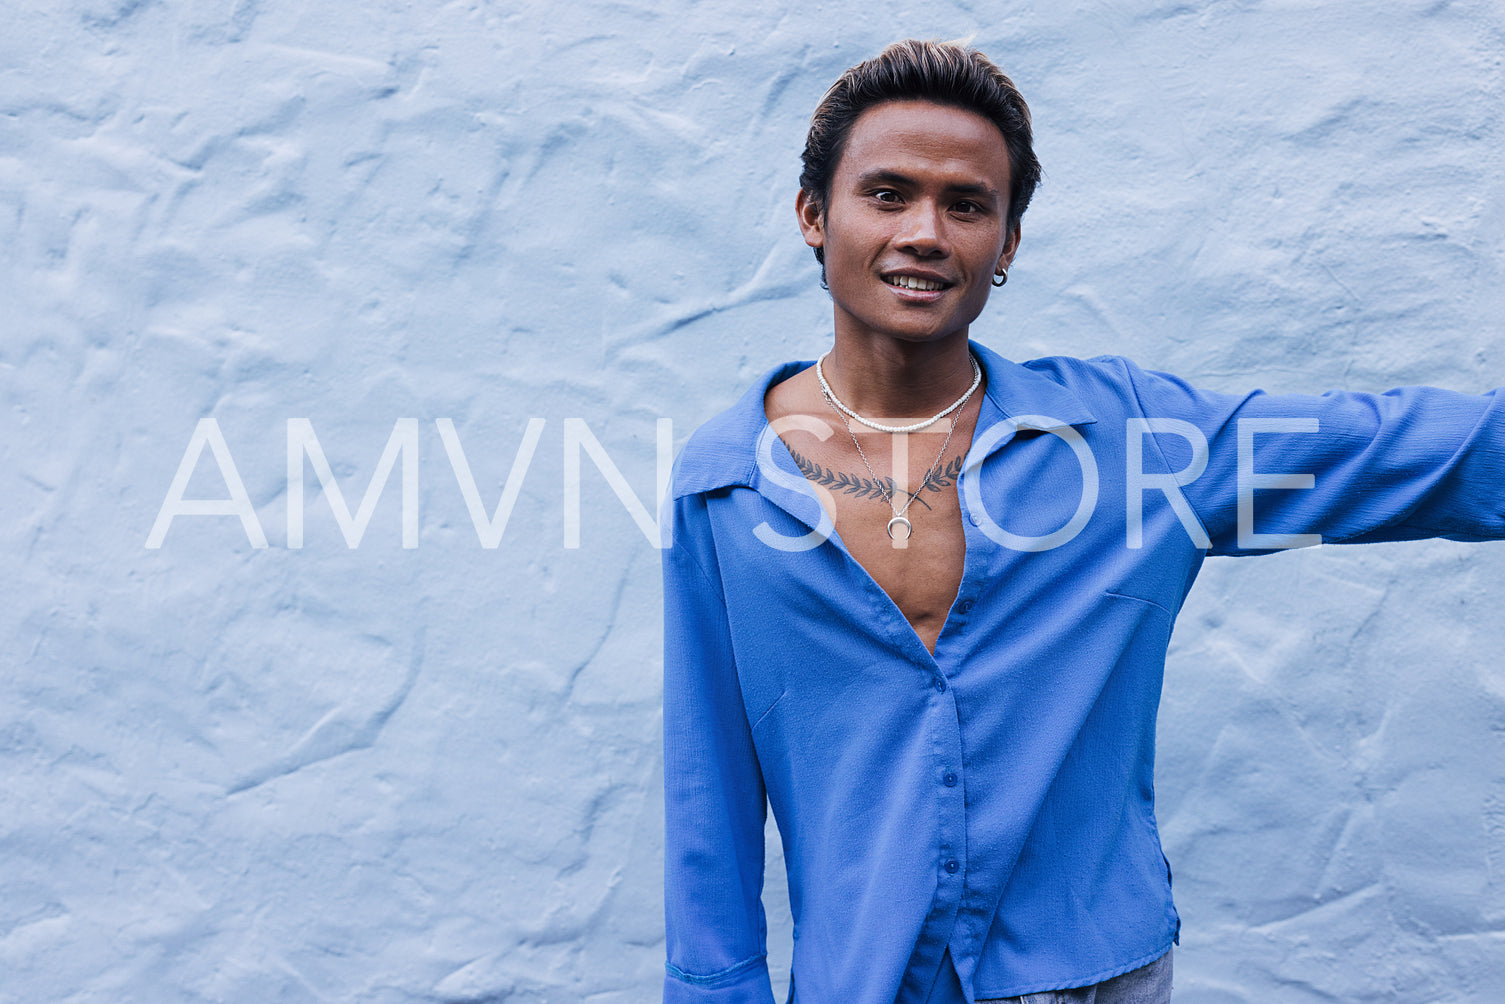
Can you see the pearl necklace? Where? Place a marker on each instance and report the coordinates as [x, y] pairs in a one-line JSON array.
[[900, 521], [825, 389]]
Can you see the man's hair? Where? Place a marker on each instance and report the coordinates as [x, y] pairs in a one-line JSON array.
[[948, 73]]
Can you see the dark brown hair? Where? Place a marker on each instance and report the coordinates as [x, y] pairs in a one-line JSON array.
[[947, 73]]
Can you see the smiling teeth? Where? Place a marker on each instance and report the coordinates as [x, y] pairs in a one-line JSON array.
[[910, 282]]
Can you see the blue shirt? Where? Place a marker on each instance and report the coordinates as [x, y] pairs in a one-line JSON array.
[[990, 807]]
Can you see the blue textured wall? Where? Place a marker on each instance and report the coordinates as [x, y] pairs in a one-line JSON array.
[[390, 774]]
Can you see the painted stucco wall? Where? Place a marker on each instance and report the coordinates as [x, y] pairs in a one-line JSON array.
[[431, 773]]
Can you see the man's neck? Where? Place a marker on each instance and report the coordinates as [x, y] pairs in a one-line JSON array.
[[891, 379]]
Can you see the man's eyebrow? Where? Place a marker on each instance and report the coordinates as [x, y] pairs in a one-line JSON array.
[[885, 176]]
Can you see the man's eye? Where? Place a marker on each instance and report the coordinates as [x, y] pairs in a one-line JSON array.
[[968, 207], [886, 195]]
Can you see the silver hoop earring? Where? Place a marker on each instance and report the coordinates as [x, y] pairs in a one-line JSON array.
[[1000, 277]]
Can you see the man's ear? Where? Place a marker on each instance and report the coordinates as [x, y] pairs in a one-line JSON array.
[[812, 219], [1010, 248]]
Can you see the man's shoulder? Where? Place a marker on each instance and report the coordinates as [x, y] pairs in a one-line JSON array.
[[722, 451], [1109, 373], [1064, 389]]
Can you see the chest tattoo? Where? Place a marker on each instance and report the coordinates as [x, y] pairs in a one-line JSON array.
[[866, 488]]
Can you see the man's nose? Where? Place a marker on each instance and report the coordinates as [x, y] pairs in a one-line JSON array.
[[924, 231]]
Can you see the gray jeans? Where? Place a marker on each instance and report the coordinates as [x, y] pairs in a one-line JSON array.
[[1149, 984]]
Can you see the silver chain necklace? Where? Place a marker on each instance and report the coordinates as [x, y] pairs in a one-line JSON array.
[[840, 406], [899, 519]]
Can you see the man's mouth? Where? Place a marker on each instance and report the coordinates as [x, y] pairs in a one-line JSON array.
[[913, 282]]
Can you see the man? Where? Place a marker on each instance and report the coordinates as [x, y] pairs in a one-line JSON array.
[[920, 596]]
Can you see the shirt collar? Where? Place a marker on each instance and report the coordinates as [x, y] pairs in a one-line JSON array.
[[724, 452]]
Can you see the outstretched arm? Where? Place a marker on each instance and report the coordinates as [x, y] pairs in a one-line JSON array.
[[1282, 470]]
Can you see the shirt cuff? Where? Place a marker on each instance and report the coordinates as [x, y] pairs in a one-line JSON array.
[[745, 983]]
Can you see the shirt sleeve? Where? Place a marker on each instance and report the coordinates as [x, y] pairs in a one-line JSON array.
[[1283, 470], [714, 798]]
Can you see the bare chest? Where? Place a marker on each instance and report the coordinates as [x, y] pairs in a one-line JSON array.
[[919, 560]]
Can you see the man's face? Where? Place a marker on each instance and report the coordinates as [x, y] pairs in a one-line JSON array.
[[916, 222]]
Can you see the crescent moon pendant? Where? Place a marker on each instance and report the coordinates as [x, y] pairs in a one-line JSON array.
[[899, 521]]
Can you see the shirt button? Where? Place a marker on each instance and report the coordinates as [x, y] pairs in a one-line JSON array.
[[965, 606], [952, 865], [940, 684], [949, 778]]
